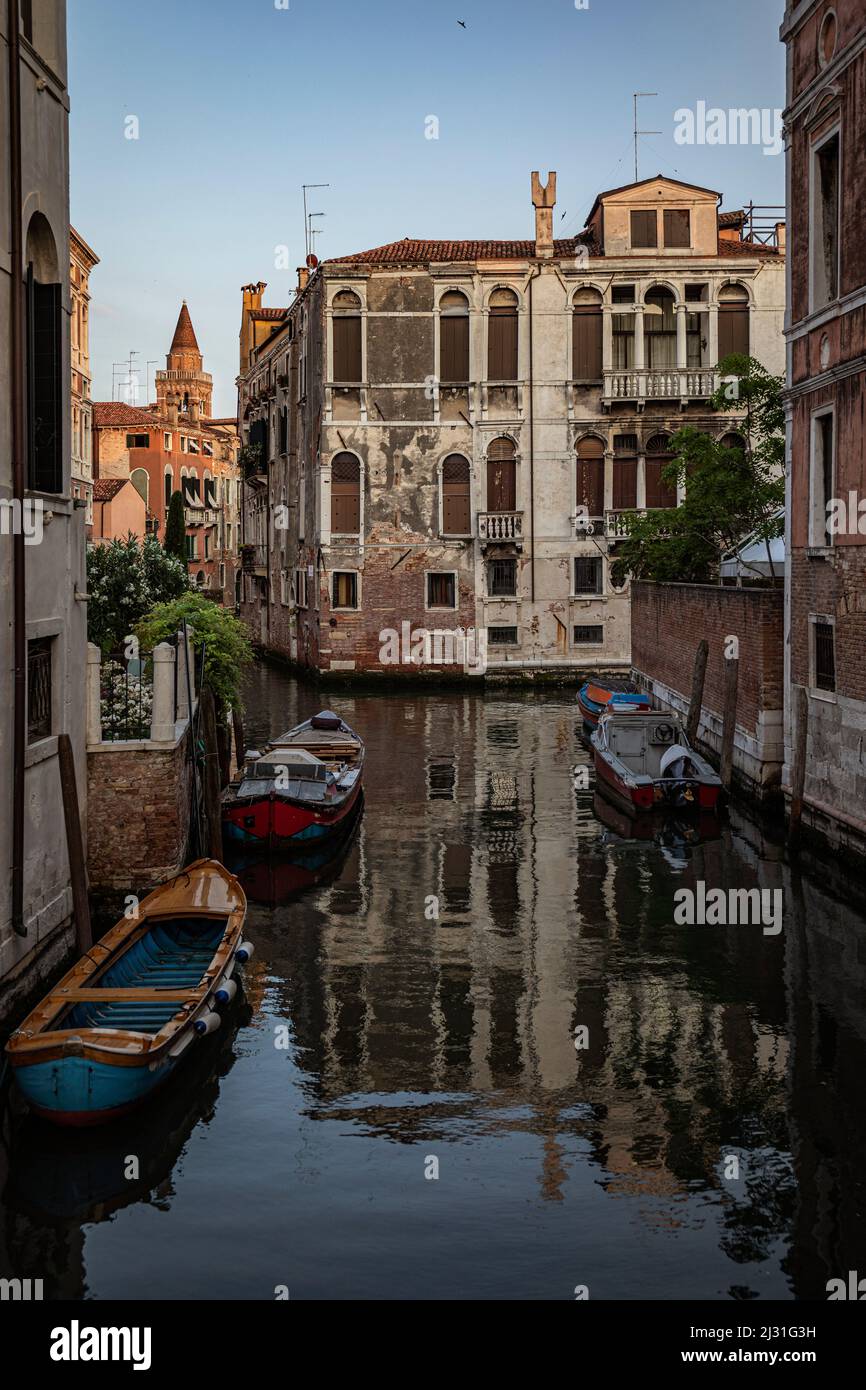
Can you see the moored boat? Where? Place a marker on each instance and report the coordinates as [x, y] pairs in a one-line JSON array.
[[645, 760], [302, 788], [593, 700], [119, 1022]]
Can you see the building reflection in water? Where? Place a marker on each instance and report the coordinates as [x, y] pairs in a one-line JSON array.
[[435, 975]]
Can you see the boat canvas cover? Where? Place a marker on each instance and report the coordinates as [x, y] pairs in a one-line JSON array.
[[300, 774]]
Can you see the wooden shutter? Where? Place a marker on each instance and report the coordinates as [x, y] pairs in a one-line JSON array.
[[658, 492], [644, 228], [624, 483], [345, 495], [586, 362], [454, 348], [347, 347], [677, 223], [456, 512], [733, 331], [44, 387], [590, 476], [502, 344], [501, 477]]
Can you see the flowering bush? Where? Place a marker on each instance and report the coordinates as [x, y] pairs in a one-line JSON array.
[[125, 579]]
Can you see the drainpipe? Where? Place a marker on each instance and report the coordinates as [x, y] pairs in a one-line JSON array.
[[532, 278], [18, 379]]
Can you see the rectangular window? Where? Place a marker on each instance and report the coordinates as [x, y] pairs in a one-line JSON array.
[[824, 656], [587, 334], [166, 442], [441, 589], [138, 441], [502, 636], [821, 468], [191, 548], [301, 588], [624, 483], [44, 387], [502, 578], [644, 229], [345, 589], [454, 348], [27, 19], [183, 444], [824, 232], [733, 330], [347, 348], [588, 574], [501, 345], [39, 688], [677, 223], [207, 448], [284, 431], [193, 446], [586, 635]]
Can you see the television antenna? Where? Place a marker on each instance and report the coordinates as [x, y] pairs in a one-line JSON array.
[[304, 187], [637, 132]]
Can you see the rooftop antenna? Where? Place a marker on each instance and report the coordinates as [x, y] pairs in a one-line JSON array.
[[641, 132], [151, 362], [304, 187], [313, 232]]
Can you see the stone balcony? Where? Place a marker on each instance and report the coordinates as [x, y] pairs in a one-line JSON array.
[[500, 527], [642, 384]]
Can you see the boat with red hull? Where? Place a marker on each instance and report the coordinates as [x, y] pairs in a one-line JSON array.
[[303, 788], [645, 761]]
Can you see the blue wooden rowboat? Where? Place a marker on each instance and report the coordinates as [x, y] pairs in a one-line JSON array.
[[120, 1021]]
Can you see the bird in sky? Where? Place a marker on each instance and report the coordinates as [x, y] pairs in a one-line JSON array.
[[461, 23]]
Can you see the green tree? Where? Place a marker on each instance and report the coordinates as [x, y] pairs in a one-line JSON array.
[[730, 493], [124, 580], [224, 637], [175, 528]]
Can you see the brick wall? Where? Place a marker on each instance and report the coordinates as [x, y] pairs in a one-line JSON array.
[[138, 810], [668, 621]]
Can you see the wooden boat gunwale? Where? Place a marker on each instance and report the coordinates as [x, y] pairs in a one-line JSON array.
[[623, 781], [36, 1041]]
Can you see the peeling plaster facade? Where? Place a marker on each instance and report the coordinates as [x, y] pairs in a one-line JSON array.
[[403, 414]]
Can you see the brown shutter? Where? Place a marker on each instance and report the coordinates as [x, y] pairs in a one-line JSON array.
[[454, 348], [624, 483], [658, 492], [345, 495], [677, 223], [644, 228], [587, 344], [501, 485], [347, 348], [590, 476], [502, 345], [456, 512], [733, 331]]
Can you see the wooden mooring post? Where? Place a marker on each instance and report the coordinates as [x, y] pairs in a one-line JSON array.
[[729, 720], [798, 762], [695, 704], [74, 844], [212, 806], [240, 746]]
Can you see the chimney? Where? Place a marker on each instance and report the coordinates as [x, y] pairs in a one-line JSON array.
[[543, 200], [171, 407], [303, 277], [252, 300], [253, 294], [781, 238]]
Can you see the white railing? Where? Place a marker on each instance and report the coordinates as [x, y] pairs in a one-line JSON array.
[[500, 526], [651, 384]]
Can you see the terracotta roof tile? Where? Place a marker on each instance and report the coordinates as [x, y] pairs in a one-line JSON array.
[[745, 248], [268, 314], [107, 413], [411, 250], [104, 489], [732, 219]]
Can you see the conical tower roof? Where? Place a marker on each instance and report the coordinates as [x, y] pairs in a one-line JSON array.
[[184, 339]]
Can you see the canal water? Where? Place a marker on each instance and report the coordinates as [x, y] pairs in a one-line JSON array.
[[477, 1057]]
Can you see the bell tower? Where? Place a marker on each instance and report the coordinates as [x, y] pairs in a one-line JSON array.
[[184, 391]]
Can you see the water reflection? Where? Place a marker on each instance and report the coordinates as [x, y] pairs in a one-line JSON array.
[[432, 980]]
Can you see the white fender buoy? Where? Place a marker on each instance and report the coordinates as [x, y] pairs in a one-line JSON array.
[[208, 1023], [244, 952], [226, 992]]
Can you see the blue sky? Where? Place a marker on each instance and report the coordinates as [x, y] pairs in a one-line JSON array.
[[239, 103]]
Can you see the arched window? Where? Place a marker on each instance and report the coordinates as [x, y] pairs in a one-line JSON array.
[[501, 476], [733, 321], [586, 336], [169, 488], [454, 338], [44, 359], [456, 509], [199, 579], [345, 495], [141, 482], [658, 455], [732, 440], [502, 336], [660, 329], [590, 476], [347, 337]]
